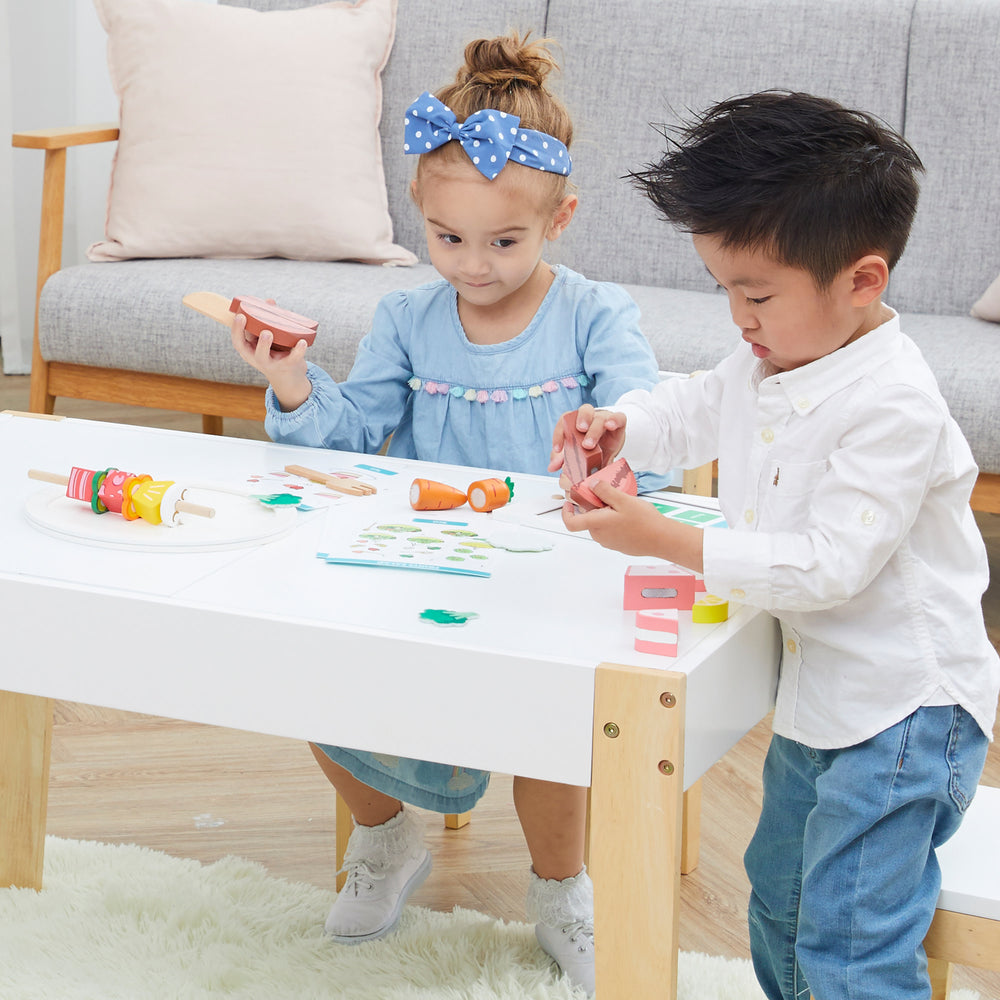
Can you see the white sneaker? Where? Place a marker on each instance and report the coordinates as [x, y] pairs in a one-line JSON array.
[[563, 911], [572, 948], [384, 865], [369, 905]]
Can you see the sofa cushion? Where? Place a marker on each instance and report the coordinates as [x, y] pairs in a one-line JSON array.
[[666, 60], [247, 134], [88, 314], [693, 330], [953, 122]]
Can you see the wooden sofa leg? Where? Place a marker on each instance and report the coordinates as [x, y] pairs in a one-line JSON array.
[[940, 973], [455, 821], [211, 424]]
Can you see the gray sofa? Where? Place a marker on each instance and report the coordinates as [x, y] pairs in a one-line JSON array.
[[928, 67]]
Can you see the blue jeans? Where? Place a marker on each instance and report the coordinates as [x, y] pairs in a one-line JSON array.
[[842, 866]]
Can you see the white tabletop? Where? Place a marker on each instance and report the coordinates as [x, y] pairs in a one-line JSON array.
[[269, 638]]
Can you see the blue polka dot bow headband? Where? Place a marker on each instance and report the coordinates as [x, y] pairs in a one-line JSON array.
[[490, 138]]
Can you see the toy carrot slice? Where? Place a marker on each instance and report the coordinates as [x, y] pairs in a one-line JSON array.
[[488, 494], [426, 494]]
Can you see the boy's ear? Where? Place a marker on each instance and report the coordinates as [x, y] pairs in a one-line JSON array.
[[562, 215], [870, 278]]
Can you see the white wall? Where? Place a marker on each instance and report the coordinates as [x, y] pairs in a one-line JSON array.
[[59, 77]]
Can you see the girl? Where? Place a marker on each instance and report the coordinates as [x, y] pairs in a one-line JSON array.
[[475, 368]]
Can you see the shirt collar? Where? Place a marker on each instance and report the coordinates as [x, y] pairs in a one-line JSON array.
[[812, 384]]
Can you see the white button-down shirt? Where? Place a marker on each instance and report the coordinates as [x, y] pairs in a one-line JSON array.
[[846, 483]]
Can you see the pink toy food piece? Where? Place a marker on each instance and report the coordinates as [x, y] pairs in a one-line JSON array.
[[618, 474], [579, 462], [288, 327]]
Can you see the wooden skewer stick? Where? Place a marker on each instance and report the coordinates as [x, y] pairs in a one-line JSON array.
[[180, 506], [187, 507], [355, 487]]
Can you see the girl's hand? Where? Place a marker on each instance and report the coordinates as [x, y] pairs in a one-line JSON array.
[[602, 428], [631, 525], [285, 370]]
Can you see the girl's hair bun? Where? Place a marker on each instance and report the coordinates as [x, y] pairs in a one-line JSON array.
[[497, 63], [508, 73]]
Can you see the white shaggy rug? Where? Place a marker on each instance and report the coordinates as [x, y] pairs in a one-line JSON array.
[[128, 923]]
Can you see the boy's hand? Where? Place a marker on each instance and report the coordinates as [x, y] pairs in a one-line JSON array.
[[285, 370], [603, 428], [632, 525]]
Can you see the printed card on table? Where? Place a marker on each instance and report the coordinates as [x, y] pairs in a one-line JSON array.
[[419, 543]]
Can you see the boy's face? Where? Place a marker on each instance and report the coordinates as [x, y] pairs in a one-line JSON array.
[[785, 318]]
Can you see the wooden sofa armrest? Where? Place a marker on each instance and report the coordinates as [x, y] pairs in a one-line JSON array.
[[60, 138], [50, 234]]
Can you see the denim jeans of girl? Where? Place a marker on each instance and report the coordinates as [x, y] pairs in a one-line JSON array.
[[842, 866]]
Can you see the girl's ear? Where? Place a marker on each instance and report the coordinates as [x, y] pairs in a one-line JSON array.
[[561, 217], [414, 192], [870, 278]]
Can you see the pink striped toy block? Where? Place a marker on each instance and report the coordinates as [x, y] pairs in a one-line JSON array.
[[656, 631], [660, 586]]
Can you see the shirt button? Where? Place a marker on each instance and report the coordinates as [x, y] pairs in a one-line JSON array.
[[791, 645], [748, 516], [738, 593], [767, 435], [802, 404], [868, 517]]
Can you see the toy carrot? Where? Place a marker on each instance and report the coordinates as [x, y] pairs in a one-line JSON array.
[[489, 494], [426, 494]]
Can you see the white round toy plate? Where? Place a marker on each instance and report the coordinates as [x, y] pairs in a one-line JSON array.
[[238, 522]]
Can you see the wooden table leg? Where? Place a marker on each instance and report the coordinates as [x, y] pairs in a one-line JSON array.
[[635, 830], [25, 748], [691, 839]]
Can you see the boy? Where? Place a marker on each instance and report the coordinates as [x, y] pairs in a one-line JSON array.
[[847, 483]]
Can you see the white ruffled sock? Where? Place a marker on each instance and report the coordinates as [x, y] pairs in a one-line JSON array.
[[563, 911], [387, 845], [561, 901]]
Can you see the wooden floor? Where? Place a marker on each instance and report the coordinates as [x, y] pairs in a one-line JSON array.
[[202, 792]]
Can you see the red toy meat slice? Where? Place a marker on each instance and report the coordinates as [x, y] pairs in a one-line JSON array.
[[579, 462], [618, 474], [288, 327]]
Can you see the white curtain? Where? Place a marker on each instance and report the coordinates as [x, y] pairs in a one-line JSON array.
[[15, 329]]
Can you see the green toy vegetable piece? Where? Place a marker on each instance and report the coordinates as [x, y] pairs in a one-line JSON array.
[[439, 616]]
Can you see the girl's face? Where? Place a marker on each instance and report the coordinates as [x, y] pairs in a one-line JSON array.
[[486, 237]]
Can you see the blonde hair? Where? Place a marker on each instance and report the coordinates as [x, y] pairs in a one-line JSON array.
[[507, 73]]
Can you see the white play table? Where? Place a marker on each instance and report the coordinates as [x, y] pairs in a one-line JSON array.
[[267, 637]]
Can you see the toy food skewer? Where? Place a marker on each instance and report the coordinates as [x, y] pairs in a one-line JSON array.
[[132, 496], [342, 484]]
